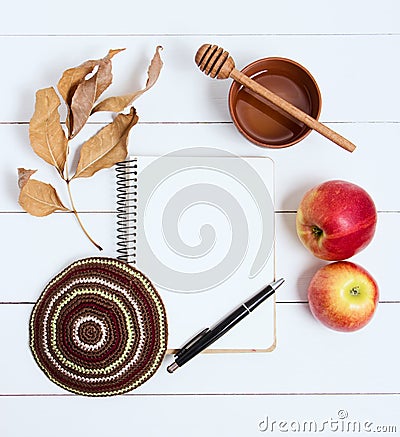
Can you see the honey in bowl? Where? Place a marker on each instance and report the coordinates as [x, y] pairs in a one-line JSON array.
[[262, 122]]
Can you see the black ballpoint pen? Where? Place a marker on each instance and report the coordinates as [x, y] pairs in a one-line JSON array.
[[209, 335]]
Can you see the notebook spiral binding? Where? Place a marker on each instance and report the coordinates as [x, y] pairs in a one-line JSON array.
[[126, 210]]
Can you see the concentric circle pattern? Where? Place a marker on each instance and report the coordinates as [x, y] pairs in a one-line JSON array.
[[99, 328]]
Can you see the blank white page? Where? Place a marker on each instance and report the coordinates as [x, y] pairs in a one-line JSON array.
[[205, 237]]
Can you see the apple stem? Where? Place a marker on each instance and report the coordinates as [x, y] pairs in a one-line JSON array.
[[317, 232], [355, 291]]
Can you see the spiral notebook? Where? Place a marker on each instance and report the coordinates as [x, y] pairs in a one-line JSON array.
[[201, 228]]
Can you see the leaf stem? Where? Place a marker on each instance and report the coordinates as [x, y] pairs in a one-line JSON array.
[[67, 180], [65, 176]]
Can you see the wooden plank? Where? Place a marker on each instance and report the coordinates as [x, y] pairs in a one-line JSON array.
[[352, 88], [38, 248], [233, 416], [309, 358], [284, 16], [298, 168], [44, 246]]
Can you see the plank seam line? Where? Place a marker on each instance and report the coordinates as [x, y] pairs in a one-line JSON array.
[[193, 394], [174, 35]]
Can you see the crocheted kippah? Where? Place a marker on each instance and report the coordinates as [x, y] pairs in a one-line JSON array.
[[99, 328]]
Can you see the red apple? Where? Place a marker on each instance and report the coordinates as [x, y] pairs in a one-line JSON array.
[[336, 219], [343, 296]]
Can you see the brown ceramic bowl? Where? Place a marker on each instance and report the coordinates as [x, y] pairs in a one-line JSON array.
[[262, 122]]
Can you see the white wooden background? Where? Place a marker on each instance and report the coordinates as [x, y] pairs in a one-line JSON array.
[[352, 49]]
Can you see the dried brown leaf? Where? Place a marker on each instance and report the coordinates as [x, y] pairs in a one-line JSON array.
[[46, 135], [81, 92], [118, 104], [36, 197], [23, 176], [71, 78], [104, 74], [82, 104], [107, 147]]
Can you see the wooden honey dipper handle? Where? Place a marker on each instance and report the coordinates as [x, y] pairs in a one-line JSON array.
[[216, 62]]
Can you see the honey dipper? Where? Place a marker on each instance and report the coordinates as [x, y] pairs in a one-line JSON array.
[[214, 61]]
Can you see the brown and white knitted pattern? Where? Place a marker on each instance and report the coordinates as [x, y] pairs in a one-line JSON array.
[[99, 328]]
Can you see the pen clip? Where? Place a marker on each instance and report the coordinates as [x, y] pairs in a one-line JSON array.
[[191, 342]]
